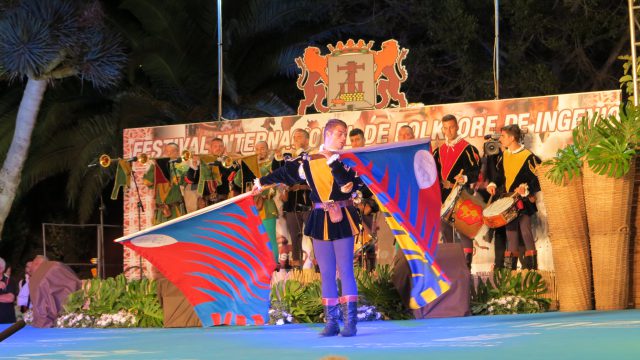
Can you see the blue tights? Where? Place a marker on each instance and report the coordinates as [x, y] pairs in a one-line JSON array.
[[336, 255]]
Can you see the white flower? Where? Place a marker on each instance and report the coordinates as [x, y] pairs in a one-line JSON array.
[[280, 322]]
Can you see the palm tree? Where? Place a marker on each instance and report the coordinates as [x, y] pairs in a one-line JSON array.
[[43, 41], [86, 127], [173, 52]]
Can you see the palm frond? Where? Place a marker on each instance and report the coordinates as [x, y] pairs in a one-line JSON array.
[[26, 46], [269, 104], [61, 19], [104, 59]]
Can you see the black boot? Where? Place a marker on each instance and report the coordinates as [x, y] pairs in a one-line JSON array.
[[349, 305], [331, 316], [468, 257], [531, 260], [510, 260]]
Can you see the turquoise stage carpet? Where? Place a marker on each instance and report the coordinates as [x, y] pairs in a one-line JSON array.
[[584, 335]]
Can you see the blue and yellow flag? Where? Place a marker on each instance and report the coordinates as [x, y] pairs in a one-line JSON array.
[[404, 176]]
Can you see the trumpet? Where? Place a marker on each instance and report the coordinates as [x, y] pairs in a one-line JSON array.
[[227, 161], [143, 158], [186, 155], [105, 160]]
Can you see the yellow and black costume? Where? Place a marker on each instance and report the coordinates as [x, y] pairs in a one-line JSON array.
[[331, 187], [513, 169]]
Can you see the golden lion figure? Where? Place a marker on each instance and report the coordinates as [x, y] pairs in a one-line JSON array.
[[390, 73], [312, 80]]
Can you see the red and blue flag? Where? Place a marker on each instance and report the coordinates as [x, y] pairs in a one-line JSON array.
[[404, 178], [219, 257]]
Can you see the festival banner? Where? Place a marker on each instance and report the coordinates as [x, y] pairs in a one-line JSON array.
[[548, 121]]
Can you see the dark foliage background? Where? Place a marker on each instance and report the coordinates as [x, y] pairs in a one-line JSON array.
[[546, 47]]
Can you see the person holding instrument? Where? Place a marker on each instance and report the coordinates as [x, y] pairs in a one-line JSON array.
[[458, 164], [516, 174], [165, 176], [214, 176]]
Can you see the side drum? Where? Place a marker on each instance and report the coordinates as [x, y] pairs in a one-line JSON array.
[[449, 204], [501, 212], [467, 214]]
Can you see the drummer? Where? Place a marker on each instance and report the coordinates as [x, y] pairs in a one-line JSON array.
[[458, 162], [516, 173]]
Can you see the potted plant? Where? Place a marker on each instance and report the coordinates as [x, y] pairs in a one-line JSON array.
[[561, 181], [610, 146], [606, 147]]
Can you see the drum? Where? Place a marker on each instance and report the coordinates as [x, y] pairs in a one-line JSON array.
[[501, 212], [467, 214], [449, 203]]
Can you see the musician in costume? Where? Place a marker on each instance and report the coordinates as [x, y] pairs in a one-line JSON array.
[[498, 236], [165, 176], [516, 174], [296, 201], [332, 224], [367, 207], [212, 179], [264, 201], [405, 133], [458, 162]]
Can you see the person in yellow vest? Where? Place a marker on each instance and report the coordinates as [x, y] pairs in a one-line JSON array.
[[332, 224], [165, 176], [516, 174]]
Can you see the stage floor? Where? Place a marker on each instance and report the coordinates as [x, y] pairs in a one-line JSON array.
[[584, 335]]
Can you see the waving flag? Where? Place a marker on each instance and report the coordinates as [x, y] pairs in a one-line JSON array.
[[123, 178], [403, 176], [218, 257]]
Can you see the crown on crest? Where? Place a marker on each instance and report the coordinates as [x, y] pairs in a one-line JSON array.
[[351, 47]]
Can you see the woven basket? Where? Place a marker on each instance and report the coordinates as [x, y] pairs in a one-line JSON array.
[[608, 201], [565, 206], [610, 269], [635, 241], [568, 233], [572, 275]]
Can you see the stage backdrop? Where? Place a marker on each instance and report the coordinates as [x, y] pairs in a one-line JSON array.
[[549, 120]]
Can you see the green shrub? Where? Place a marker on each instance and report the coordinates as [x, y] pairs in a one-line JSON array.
[[302, 301], [519, 290], [112, 295], [376, 288]]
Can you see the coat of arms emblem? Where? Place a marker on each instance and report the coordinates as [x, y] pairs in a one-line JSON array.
[[352, 76]]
